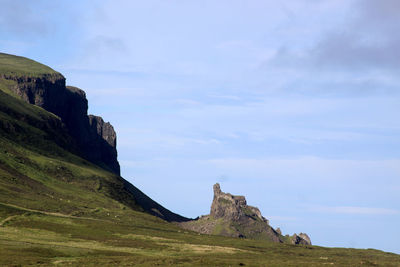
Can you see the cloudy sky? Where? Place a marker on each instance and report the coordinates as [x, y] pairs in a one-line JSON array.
[[294, 105]]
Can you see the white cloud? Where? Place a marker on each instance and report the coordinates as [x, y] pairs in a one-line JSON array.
[[134, 138], [309, 169], [355, 210], [228, 97]]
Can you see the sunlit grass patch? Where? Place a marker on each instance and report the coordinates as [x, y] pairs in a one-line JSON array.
[[10, 64]]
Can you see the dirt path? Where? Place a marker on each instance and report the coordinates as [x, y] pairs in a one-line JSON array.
[[9, 219], [43, 212]]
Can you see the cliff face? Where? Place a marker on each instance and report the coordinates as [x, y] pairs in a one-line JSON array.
[[95, 139], [246, 220], [231, 216], [102, 143], [232, 207]]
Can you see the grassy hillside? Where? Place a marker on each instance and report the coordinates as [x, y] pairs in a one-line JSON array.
[[31, 237], [37, 173], [59, 209], [15, 65]]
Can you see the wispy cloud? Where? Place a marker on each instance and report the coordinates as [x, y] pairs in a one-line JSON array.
[[19, 18], [309, 169], [187, 102], [352, 210], [228, 97], [163, 140], [365, 40]]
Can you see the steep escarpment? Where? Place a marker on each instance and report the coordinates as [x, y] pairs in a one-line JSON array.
[[101, 144], [49, 144], [95, 139], [231, 216]]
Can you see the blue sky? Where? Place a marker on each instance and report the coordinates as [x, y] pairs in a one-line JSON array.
[[294, 105]]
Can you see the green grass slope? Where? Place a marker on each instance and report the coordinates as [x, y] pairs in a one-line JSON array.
[[59, 209], [29, 237], [16, 65], [37, 173]]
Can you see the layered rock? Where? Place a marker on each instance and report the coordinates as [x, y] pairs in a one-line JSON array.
[[103, 145], [231, 216], [95, 139], [232, 207], [103, 129]]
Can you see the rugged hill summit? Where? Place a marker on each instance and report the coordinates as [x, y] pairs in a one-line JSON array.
[[52, 150], [231, 216], [95, 138]]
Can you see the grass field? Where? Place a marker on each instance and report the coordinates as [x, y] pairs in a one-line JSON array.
[[33, 237]]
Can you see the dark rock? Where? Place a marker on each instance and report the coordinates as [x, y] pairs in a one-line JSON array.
[[103, 144], [103, 129], [95, 139]]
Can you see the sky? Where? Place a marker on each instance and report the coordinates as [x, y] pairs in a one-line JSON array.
[[294, 104]]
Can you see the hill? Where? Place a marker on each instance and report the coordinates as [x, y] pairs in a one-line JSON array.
[[62, 155], [60, 206]]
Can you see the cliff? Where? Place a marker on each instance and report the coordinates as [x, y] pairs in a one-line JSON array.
[[49, 144], [95, 140], [232, 207], [231, 216]]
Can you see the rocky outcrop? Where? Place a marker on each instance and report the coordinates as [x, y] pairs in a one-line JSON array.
[[103, 143], [301, 238], [95, 139], [103, 129], [232, 207], [37, 90], [231, 216]]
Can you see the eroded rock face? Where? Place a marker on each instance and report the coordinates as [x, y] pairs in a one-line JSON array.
[[232, 207], [231, 216], [103, 145], [306, 238], [39, 90], [103, 129], [95, 139]]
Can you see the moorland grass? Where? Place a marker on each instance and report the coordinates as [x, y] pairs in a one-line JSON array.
[[22, 66], [49, 239]]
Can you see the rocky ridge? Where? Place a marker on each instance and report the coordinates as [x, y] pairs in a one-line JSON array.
[[231, 216], [95, 138]]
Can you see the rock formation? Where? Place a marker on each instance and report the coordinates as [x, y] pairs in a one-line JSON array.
[[231, 216], [301, 238], [95, 139], [232, 207]]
